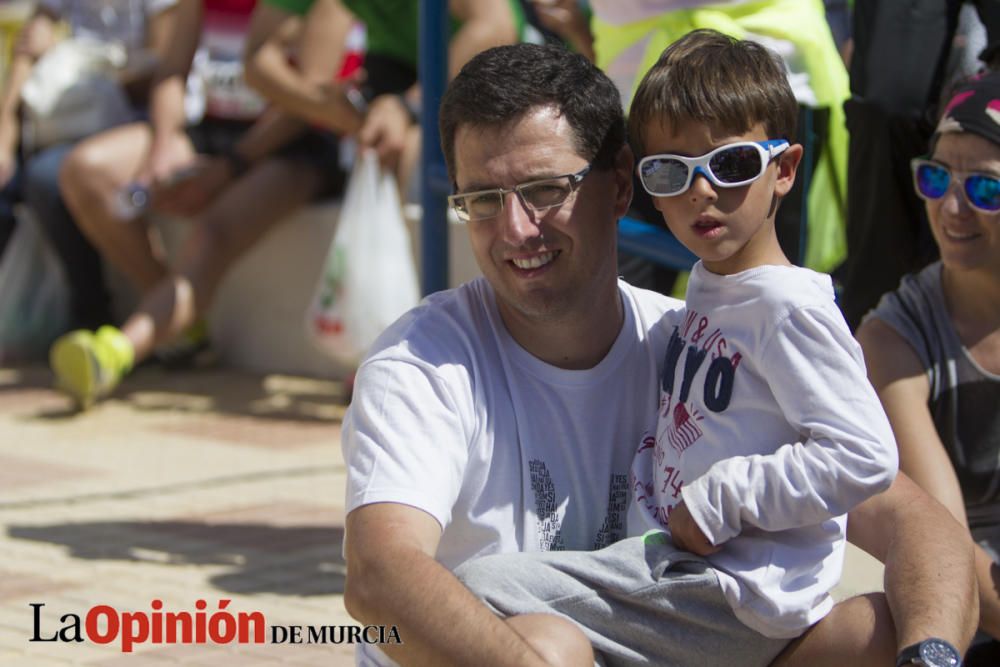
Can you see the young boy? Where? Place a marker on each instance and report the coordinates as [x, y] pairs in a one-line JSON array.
[[768, 430]]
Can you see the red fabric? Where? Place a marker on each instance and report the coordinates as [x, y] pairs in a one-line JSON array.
[[238, 7], [353, 60]]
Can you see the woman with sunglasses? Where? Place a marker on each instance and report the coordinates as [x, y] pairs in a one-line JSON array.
[[933, 345]]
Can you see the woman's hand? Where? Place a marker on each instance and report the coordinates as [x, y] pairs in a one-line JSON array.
[[385, 128]]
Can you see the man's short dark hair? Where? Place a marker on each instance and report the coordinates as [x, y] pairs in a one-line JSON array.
[[712, 78], [500, 85]]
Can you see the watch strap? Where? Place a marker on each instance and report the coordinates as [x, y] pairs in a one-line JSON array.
[[909, 655]]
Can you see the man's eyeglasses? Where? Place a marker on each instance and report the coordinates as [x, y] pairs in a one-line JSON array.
[[728, 166], [932, 181], [537, 196]]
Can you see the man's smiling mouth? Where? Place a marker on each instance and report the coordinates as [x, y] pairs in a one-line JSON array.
[[535, 261]]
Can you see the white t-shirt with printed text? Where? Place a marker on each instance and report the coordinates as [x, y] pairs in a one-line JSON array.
[[508, 453]]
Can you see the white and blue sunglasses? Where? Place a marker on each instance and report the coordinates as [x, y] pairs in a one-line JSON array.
[[728, 166]]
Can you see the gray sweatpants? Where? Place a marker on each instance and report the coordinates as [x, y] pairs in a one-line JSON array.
[[640, 602]]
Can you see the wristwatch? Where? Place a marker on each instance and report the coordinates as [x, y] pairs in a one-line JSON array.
[[932, 652]]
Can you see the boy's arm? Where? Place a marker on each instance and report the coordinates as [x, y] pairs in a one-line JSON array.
[[847, 453]]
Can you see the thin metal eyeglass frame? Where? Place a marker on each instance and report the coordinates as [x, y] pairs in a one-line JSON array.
[[768, 150], [961, 177], [574, 182]]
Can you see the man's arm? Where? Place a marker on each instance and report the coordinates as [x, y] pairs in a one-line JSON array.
[[173, 35], [988, 574], [393, 579], [930, 588], [930, 573]]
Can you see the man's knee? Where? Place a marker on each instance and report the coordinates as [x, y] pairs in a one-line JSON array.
[[82, 170]]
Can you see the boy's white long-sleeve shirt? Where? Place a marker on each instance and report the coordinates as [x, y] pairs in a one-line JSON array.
[[770, 431]]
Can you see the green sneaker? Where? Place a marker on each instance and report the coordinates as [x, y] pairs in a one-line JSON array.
[[88, 366]]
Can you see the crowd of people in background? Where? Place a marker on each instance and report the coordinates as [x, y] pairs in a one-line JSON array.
[[238, 112], [278, 91]]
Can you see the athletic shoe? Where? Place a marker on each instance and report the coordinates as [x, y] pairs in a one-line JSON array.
[[88, 366]]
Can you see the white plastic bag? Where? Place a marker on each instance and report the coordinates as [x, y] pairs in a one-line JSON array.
[[73, 92], [369, 278], [34, 296]]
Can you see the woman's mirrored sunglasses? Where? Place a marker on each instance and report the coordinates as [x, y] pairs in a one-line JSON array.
[[728, 166], [932, 180]]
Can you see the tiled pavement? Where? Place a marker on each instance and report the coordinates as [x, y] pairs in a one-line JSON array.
[[197, 485], [186, 486]]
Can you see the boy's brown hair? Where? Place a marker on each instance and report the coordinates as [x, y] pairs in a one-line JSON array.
[[712, 78]]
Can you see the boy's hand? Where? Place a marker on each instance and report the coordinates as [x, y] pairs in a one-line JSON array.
[[686, 533]]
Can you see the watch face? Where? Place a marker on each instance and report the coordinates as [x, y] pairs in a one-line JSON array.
[[934, 653]]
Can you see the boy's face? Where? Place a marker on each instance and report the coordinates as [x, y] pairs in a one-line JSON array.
[[730, 229]]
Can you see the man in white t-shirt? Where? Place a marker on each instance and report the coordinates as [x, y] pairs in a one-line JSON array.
[[501, 416]]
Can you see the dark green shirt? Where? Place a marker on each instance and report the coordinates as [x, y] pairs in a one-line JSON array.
[[391, 24]]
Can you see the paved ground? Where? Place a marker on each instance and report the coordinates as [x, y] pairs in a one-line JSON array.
[[197, 485], [187, 486]]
